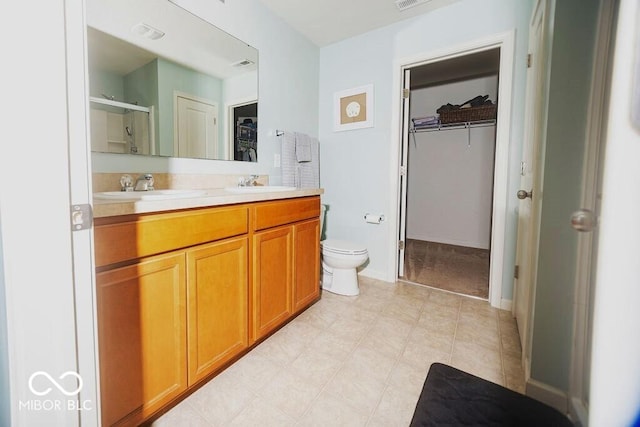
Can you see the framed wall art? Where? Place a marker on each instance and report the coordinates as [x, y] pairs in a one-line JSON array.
[[353, 108]]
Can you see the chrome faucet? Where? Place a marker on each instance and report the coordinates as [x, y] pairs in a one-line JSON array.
[[248, 182], [144, 183]]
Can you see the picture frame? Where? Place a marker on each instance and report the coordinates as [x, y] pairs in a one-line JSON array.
[[353, 108]]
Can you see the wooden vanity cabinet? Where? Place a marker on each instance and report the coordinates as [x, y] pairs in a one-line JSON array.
[[181, 294], [217, 313], [166, 321], [142, 337], [286, 261]]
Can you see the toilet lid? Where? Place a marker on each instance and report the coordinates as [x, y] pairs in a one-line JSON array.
[[343, 247]]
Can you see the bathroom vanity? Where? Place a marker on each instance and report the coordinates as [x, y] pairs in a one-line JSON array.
[[185, 287]]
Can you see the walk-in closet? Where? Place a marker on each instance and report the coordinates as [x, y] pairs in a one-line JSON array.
[[450, 173]]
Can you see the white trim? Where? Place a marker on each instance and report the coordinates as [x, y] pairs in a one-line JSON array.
[[595, 140], [86, 325], [506, 304], [545, 393], [506, 42], [374, 274]]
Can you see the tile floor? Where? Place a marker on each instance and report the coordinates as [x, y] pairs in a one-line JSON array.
[[357, 361]]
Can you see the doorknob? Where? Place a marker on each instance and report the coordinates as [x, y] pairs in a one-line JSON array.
[[524, 194], [583, 220]]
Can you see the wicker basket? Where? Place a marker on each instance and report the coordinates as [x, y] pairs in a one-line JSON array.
[[473, 114]]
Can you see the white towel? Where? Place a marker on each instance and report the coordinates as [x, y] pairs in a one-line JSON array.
[[288, 160], [303, 147], [300, 174]]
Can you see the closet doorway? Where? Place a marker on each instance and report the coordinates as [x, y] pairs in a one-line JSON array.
[[449, 173]]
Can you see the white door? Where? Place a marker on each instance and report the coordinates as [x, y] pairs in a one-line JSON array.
[[584, 220], [402, 238], [530, 182], [615, 371], [197, 129]]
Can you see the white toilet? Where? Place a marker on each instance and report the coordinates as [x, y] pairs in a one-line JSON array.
[[340, 259]]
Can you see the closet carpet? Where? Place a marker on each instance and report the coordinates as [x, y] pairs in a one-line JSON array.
[[448, 267]]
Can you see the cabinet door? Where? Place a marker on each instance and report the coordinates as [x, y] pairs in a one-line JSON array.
[[142, 336], [272, 279], [218, 293], [306, 251]]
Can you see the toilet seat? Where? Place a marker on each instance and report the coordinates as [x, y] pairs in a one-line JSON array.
[[342, 247]]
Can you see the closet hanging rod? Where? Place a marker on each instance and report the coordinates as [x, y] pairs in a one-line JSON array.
[[454, 126]]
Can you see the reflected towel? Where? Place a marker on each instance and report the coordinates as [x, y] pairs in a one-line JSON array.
[[303, 147]]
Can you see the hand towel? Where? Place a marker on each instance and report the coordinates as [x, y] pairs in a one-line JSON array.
[[303, 147]]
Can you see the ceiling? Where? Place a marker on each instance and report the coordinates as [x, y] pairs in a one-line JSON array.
[[328, 21]]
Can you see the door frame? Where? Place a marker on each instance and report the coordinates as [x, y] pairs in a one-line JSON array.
[[591, 181], [505, 41]]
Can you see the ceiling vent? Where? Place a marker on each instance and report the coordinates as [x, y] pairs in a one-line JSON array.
[[406, 4], [242, 63], [146, 30]]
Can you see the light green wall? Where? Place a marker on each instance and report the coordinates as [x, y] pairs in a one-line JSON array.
[[141, 86], [173, 77], [104, 82], [570, 77]]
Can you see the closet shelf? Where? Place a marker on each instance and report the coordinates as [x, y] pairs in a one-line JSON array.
[[453, 126]]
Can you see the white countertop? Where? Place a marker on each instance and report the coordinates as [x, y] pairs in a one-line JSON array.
[[212, 197]]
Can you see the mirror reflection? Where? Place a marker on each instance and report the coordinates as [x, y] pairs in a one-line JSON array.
[[164, 82]]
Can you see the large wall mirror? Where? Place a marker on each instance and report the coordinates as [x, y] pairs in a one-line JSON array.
[[163, 82]]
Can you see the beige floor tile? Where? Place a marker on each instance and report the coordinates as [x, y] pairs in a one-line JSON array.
[[417, 355], [280, 348], [511, 345], [359, 389], [401, 311], [408, 377], [433, 339], [469, 333], [445, 298], [221, 399], [397, 405], [328, 410], [367, 361], [371, 302], [182, 415], [253, 370], [258, 413], [356, 361], [316, 366], [290, 393]]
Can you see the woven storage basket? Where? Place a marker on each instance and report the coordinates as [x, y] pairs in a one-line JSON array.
[[473, 114]]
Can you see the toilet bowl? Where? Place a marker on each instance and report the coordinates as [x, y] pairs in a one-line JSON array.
[[340, 259]]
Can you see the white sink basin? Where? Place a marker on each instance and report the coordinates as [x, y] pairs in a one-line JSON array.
[[148, 195], [259, 189]]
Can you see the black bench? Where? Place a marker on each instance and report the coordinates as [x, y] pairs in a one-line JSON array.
[[451, 397]]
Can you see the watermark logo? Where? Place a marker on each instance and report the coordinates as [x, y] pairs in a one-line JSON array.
[[41, 384], [55, 383]]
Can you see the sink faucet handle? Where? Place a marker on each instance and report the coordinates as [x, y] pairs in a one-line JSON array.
[[126, 183]]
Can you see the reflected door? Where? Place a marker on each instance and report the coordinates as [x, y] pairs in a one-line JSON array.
[[197, 129]]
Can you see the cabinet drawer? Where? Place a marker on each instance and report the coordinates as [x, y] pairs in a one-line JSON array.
[[117, 241], [272, 214]]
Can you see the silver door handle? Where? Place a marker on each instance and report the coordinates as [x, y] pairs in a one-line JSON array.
[[524, 194], [583, 220]]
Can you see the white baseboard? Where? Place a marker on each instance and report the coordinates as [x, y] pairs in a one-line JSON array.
[[506, 304], [545, 393], [374, 274]]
